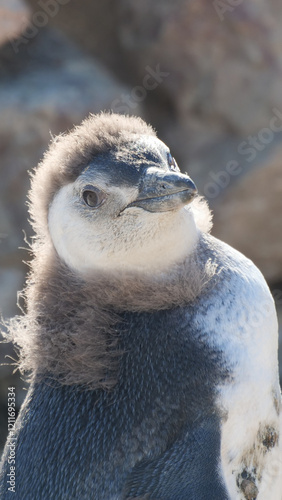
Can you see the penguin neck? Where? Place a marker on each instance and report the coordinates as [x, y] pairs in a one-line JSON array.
[[126, 286], [74, 319]]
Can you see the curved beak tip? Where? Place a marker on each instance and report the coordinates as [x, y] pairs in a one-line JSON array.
[[193, 188]]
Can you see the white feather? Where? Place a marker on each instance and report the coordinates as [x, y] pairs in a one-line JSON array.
[[247, 335], [136, 240]]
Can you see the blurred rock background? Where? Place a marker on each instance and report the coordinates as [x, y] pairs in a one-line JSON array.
[[207, 75]]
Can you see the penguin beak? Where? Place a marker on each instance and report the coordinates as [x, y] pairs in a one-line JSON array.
[[163, 192]]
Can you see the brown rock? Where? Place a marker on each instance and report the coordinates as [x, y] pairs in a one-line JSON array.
[[248, 217], [220, 66]]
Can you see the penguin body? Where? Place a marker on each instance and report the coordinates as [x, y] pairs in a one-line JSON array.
[[144, 439], [151, 378]]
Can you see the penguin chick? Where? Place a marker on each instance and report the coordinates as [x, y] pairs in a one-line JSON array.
[[151, 346]]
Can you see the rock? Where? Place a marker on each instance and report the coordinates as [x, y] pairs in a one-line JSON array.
[[248, 216], [14, 18], [219, 66], [93, 27]]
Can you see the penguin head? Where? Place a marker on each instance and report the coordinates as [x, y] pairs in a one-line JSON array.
[[114, 198]]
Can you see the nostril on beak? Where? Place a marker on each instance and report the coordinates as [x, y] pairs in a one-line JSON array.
[[175, 182]]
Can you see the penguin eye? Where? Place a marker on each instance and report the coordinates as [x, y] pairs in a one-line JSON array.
[[93, 197], [172, 163]]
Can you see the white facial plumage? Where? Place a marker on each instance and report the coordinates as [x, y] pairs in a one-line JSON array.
[[115, 236]]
